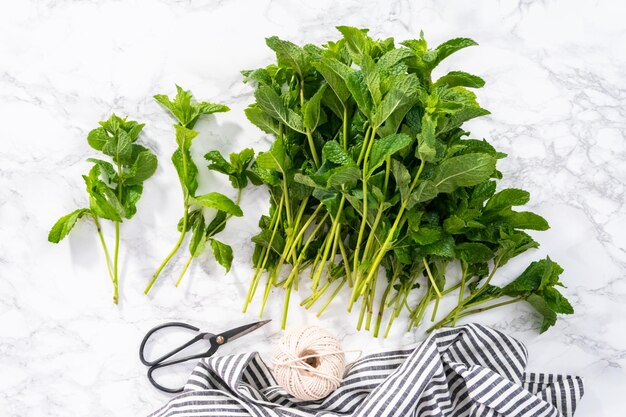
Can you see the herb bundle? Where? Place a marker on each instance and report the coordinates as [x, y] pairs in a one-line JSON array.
[[187, 112], [370, 170], [114, 188]]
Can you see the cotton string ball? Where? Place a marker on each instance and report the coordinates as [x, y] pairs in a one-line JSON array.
[[309, 363]]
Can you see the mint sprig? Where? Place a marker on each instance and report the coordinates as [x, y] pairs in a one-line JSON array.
[[187, 112], [114, 186]]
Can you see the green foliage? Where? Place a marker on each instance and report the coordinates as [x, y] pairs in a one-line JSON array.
[[64, 225], [114, 187], [400, 184], [187, 112]]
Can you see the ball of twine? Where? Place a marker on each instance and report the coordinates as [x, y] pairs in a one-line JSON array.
[[309, 363]]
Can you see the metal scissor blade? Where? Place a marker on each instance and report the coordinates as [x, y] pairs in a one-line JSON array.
[[237, 332]]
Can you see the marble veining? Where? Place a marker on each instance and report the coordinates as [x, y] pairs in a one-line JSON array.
[[554, 72]]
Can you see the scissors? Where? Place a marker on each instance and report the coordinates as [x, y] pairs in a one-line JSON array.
[[215, 340]]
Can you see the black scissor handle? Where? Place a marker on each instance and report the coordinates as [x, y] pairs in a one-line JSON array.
[[153, 368], [169, 354]]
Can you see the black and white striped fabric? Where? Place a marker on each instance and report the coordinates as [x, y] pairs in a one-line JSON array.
[[470, 370]]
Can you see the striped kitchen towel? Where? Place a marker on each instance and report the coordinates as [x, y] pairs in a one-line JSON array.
[[470, 370]]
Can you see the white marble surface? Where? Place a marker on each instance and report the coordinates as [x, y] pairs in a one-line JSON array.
[[555, 86]]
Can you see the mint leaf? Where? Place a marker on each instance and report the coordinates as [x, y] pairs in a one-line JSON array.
[[402, 177], [402, 96], [386, 147], [336, 75], [460, 78], [261, 119], [119, 147], [448, 48], [427, 149], [184, 137], [64, 225], [358, 88], [334, 153], [311, 110], [218, 201], [223, 253], [187, 171], [272, 104], [357, 42], [97, 138], [549, 316], [290, 55], [143, 168], [556, 301], [425, 191], [506, 199], [198, 241], [463, 171], [474, 252]]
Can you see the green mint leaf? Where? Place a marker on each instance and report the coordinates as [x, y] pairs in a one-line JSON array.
[[187, 170], [358, 88], [185, 110], [549, 316], [197, 242], [448, 48], [531, 279], [97, 138], [218, 201], [312, 111], [443, 247], [102, 200], [463, 171], [334, 153], [425, 191], [130, 196], [513, 244], [64, 225], [143, 168], [344, 178], [180, 107], [526, 220], [460, 78], [401, 97], [217, 224], [106, 168], [133, 129], [289, 55], [372, 77], [184, 136], [223, 253], [426, 235], [357, 42], [273, 105], [481, 192], [275, 159], [556, 301], [210, 108], [119, 147], [403, 178], [474, 252], [336, 74], [427, 147], [385, 148], [261, 119], [264, 238], [267, 176], [506, 199], [218, 163], [392, 58], [454, 224]]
